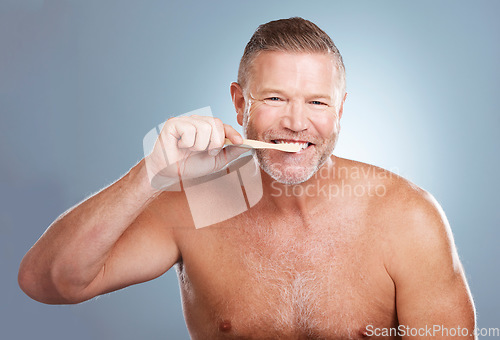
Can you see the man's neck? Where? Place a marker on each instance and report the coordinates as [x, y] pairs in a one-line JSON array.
[[300, 198]]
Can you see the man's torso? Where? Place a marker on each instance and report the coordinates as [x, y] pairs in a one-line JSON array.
[[273, 274]]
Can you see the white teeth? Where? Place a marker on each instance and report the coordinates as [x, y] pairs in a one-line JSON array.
[[302, 145]]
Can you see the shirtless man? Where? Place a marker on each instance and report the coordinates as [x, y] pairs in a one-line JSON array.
[[299, 264]]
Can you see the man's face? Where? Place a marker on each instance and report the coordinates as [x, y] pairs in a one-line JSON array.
[[291, 98]]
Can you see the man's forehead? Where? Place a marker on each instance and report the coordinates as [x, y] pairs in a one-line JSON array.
[[281, 70]]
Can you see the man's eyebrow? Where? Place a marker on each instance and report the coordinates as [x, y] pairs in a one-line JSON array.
[[314, 95], [271, 90], [320, 96]]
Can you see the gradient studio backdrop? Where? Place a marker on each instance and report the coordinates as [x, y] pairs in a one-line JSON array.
[[81, 83]]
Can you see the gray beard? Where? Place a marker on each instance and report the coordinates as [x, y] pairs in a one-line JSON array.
[[287, 175]]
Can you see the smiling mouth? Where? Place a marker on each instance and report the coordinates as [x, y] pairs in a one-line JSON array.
[[303, 144]]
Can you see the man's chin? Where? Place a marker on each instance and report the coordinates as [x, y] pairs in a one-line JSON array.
[[289, 175], [290, 180]]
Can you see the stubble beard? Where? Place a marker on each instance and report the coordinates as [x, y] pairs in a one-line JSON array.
[[291, 170]]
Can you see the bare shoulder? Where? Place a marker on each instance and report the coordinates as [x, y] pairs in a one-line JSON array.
[[411, 218], [389, 193]]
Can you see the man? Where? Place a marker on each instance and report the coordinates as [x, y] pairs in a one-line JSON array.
[[370, 256]]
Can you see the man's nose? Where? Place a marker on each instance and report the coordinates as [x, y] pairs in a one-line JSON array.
[[295, 117]]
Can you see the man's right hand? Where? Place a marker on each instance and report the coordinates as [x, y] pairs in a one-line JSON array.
[[189, 147]]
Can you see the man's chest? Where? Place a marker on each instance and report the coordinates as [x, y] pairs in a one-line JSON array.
[[270, 281]]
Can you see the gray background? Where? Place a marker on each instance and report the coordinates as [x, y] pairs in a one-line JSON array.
[[81, 83]]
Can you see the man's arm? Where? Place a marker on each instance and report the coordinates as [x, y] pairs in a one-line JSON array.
[[105, 243], [116, 238], [431, 289]]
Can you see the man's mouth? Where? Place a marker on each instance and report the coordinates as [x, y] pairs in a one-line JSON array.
[[303, 144]]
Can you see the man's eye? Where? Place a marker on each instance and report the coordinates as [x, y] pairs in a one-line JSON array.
[[274, 99], [317, 102]]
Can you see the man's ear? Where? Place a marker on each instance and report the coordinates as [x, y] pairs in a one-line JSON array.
[[238, 101], [342, 106]]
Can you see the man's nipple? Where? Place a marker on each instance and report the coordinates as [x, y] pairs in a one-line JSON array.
[[225, 326], [364, 333]]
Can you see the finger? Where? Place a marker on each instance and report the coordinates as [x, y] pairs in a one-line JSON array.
[[176, 136], [233, 135], [185, 133], [217, 135], [203, 133]]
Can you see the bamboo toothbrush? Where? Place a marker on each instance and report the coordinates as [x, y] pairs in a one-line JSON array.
[[257, 144]]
